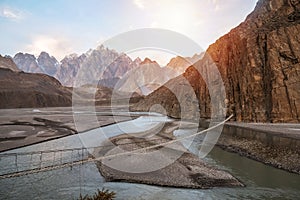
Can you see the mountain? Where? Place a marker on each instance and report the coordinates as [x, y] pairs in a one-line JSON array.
[[110, 73], [20, 89], [93, 66], [259, 62], [48, 64], [7, 63], [180, 63], [27, 63], [120, 66], [100, 63], [102, 67], [68, 69], [45, 63], [145, 78]]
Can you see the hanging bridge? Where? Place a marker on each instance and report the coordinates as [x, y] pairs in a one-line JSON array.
[[25, 163]]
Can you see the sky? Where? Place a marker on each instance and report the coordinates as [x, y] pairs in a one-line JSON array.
[[62, 27]]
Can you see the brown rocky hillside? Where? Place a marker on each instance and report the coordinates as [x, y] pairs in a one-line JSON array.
[[259, 62], [20, 89]]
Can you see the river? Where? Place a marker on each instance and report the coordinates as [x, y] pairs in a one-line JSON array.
[[262, 181]]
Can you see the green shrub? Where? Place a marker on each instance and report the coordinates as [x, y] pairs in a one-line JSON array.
[[99, 195]]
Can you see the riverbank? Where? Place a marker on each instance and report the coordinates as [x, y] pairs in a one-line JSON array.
[[262, 181], [185, 171], [277, 145]]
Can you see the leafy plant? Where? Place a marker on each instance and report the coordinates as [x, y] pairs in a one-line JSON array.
[[99, 195]]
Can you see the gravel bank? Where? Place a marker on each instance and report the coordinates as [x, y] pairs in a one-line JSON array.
[[264, 143], [188, 171]]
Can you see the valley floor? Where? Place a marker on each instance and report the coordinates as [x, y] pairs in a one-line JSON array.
[[26, 126], [273, 144]]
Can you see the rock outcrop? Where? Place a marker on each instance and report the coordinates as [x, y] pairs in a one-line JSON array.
[[259, 62]]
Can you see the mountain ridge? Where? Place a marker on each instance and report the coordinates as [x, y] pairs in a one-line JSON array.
[[259, 64], [23, 90]]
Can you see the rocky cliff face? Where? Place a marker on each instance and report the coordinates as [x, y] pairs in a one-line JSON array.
[[259, 62], [21, 90]]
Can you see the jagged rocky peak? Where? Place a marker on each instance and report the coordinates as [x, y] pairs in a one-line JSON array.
[[48, 63], [21, 56], [259, 62], [43, 64], [145, 78], [100, 65], [119, 66], [69, 67], [180, 64], [137, 60], [27, 63], [104, 51], [148, 61], [101, 47], [7, 62], [70, 57]]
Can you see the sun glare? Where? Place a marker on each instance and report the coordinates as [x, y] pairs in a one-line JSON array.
[[176, 17]]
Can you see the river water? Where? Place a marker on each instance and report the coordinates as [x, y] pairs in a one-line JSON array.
[[262, 181]]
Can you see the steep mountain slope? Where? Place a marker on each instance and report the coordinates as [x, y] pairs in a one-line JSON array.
[[259, 62], [45, 63], [48, 63], [104, 66], [20, 90], [69, 68], [180, 64], [145, 78], [7, 63]]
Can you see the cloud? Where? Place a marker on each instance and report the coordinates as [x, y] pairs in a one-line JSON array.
[[57, 46], [11, 13], [139, 3]]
